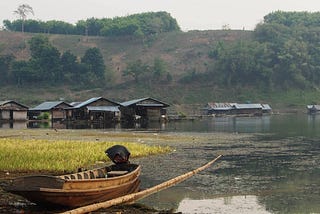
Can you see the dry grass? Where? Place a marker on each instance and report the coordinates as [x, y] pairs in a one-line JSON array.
[[66, 150]]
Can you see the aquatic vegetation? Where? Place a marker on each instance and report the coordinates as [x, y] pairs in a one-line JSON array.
[[62, 155]]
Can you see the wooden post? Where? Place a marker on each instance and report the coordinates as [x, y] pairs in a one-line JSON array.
[[139, 195]]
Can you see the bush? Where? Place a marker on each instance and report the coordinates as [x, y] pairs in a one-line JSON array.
[[44, 116]]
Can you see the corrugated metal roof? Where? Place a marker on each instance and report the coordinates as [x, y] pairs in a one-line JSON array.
[[266, 107], [91, 100], [248, 106], [11, 101], [87, 102], [5, 102], [75, 103], [315, 107], [137, 101], [131, 102], [104, 108], [45, 106], [221, 106]]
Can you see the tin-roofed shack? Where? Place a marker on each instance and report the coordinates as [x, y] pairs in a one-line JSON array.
[[56, 109], [218, 109], [248, 109], [313, 109], [94, 109], [144, 109], [11, 110]]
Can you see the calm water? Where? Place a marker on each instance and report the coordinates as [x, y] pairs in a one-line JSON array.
[[276, 170]]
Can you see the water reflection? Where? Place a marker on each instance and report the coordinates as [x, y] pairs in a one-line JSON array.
[[219, 124], [234, 204], [223, 124]]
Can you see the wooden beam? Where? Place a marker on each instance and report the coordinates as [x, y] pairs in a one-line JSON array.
[[139, 195]]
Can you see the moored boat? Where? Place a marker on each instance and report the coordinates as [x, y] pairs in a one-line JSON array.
[[81, 188]]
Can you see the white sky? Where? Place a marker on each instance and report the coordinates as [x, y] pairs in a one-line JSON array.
[[190, 14]]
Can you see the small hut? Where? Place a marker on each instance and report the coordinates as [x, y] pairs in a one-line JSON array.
[[56, 109], [12, 111], [94, 109], [146, 109]]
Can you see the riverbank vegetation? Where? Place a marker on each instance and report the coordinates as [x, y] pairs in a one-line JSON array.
[[271, 64], [64, 151]]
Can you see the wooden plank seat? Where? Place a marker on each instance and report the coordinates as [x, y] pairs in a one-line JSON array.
[[116, 173]]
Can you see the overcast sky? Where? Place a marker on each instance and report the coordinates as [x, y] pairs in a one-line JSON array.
[[190, 14]]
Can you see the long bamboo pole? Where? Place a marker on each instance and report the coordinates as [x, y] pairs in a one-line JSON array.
[[139, 195]]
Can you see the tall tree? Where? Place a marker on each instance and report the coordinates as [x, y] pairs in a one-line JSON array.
[[94, 60], [136, 69], [23, 11]]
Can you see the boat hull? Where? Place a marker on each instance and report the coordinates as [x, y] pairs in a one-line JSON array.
[[57, 191]]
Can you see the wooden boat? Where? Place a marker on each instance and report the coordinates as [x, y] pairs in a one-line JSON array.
[[79, 189]]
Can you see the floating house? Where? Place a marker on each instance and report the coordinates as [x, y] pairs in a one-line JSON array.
[[248, 109], [12, 111], [313, 109], [219, 108], [144, 109], [237, 109], [56, 109], [266, 109], [94, 109]]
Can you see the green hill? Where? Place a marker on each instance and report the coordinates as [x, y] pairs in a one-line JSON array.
[[184, 53]]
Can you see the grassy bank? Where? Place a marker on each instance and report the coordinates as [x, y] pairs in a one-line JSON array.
[[24, 150]]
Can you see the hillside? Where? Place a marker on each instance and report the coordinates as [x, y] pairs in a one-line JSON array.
[[183, 53]]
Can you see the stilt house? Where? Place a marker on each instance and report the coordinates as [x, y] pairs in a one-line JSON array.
[[146, 109], [56, 109], [11, 110], [95, 109]]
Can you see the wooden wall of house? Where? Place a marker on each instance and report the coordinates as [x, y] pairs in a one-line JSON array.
[[13, 115], [154, 114], [19, 115], [102, 102], [58, 114], [5, 114]]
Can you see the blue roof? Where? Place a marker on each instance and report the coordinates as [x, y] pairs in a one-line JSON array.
[[248, 106], [87, 102], [104, 108], [91, 100], [47, 105], [11, 101], [137, 101]]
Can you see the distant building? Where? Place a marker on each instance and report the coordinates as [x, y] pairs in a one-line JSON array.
[[237, 109], [266, 109], [219, 108], [145, 109], [95, 109], [11, 110], [313, 109], [248, 109], [56, 109]]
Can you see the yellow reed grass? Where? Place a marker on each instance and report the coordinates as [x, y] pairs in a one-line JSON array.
[[62, 155]]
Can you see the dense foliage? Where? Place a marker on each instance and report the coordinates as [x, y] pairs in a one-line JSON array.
[[143, 24], [284, 53], [47, 65]]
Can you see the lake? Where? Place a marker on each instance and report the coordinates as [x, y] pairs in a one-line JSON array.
[[272, 167], [276, 170]]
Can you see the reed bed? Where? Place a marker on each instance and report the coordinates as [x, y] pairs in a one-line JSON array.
[[62, 155]]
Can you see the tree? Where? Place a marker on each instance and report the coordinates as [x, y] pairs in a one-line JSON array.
[[94, 60], [159, 67], [5, 66], [136, 69], [23, 11], [45, 60]]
